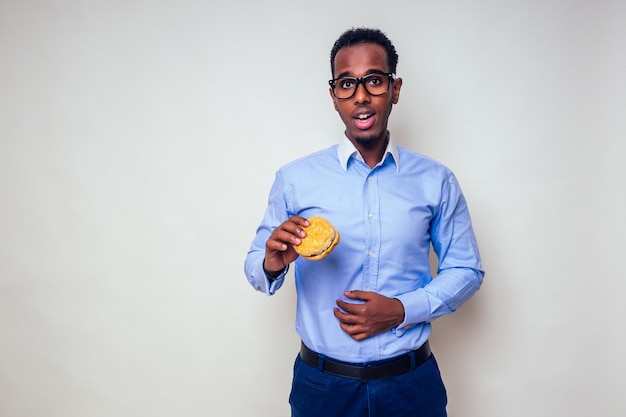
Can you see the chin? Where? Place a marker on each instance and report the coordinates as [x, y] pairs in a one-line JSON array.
[[366, 140]]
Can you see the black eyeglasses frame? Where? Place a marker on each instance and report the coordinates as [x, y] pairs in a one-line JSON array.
[[362, 80]]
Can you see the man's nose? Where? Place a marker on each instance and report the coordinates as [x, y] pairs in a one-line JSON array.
[[361, 95]]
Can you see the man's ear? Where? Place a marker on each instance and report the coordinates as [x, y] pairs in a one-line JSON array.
[[332, 96], [397, 85]]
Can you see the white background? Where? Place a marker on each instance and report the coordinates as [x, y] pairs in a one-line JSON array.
[[138, 142]]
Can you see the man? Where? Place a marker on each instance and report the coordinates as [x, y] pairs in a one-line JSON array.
[[364, 312]]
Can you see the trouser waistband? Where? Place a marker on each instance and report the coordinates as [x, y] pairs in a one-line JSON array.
[[365, 372]]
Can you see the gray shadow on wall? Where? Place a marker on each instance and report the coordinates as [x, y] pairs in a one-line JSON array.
[[453, 340]]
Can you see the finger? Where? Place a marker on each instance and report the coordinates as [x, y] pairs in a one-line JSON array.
[[358, 295], [349, 329], [341, 316], [360, 336], [281, 238], [295, 225], [299, 220], [349, 307], [276, 245], [291, 228], [351, 326], [346, 318], [354, 331]]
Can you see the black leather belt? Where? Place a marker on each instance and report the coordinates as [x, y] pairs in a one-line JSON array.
[[365, 372]]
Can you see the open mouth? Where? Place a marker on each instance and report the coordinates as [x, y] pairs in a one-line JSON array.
[[364, 121]]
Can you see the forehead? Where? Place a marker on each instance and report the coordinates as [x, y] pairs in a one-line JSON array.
[[358, 60]]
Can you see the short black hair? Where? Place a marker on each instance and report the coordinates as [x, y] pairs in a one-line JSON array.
[[357, 36]]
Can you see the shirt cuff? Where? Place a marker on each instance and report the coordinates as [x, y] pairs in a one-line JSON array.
[[416, 310], [272, 284]]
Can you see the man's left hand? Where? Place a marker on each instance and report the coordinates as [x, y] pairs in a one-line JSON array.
[[374, 314]]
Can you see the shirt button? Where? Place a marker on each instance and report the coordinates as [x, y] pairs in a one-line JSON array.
[[370, 253], [370, 215]]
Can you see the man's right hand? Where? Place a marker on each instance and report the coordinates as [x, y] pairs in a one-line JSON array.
[[279, 250]]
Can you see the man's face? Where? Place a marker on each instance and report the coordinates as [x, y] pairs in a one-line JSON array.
[[365, 116]]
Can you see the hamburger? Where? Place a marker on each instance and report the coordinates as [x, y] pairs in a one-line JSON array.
[[320, 240]]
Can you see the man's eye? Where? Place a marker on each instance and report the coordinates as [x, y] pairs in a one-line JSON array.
[[375, 80], [346, 83]]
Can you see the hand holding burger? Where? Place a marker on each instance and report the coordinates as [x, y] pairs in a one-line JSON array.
[[320, 240], [312, 239]]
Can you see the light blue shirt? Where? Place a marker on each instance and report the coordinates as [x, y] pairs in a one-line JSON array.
[[387, 218]]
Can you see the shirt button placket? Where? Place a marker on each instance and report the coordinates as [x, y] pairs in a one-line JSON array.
[[373, 232]]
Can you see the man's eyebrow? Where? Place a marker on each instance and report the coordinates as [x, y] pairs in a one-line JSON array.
[[368, 72]]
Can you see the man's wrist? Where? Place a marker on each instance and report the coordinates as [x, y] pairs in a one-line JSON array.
[[274, 275]]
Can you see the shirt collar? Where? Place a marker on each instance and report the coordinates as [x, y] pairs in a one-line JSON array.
[[346, 149]]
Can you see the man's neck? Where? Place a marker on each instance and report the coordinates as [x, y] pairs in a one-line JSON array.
[[372, 152]]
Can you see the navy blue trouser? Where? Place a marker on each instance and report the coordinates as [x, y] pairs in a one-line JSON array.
[[418, 392]]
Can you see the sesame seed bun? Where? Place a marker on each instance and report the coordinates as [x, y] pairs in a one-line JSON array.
[[321, 238]]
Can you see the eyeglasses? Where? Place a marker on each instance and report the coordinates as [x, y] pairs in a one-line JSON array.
[[375, 84]]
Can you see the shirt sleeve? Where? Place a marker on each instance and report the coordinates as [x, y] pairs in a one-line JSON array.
[[459, 272], [262, 282], [275, 214]]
